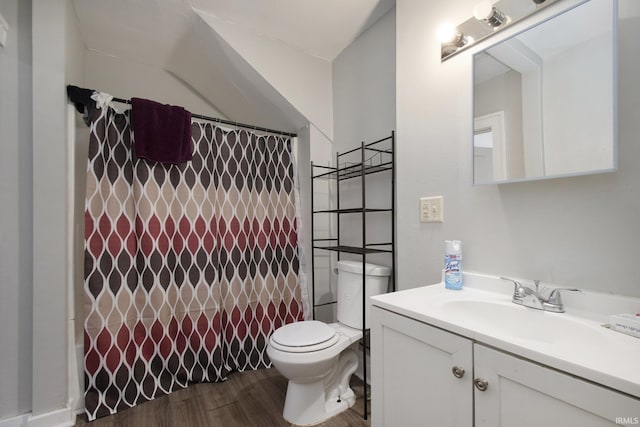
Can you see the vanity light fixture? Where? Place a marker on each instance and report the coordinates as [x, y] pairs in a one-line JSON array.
[[489, 18], [490, 14]]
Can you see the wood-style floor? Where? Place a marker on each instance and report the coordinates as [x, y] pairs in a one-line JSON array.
[[252, 398]]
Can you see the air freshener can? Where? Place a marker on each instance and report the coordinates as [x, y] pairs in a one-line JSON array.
[[453, 264]]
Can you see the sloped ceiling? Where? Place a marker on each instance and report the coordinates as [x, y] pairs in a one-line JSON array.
[[170, 35], [205, 62]]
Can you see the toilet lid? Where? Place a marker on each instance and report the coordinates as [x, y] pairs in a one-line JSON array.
[[307, 334]]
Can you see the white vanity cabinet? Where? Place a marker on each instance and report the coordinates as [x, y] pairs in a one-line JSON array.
[[412, 379], [413, 384]]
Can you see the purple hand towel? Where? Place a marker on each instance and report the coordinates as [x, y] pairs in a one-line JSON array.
[[162, 132]]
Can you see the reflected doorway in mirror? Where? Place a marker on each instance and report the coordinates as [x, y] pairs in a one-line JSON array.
[[489, 153]]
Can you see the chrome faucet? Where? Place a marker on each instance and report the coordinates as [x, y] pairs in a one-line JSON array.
[[524, 295]]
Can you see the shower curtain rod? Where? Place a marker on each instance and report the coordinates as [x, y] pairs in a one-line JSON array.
[[226, 122], [81, 96]]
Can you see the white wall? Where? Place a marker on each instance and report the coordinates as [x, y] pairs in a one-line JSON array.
[[49, 208], [364, 93], [125, 78], [580, 231], [16, 207]]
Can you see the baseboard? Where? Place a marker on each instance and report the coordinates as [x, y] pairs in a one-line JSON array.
[[18, 421], [60, 418]]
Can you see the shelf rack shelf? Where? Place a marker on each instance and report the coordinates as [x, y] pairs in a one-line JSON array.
[[373, 160], [353, 249], [352, 210], [353, 171]]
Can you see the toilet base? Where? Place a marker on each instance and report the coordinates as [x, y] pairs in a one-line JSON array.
[[308, 404]]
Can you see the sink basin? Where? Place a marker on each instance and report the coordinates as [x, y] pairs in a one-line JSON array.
[[523, 323]]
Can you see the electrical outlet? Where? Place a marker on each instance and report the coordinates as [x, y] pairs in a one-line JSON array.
[[431, 209]]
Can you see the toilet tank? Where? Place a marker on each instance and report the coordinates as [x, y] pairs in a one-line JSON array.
[[350, 290]]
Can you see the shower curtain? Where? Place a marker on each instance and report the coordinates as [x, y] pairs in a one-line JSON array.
[[189, 267]]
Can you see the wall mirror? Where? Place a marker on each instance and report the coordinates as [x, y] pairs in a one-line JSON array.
[[545, 99]]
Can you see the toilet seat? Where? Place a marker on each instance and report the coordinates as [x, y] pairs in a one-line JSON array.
[[304, 337]]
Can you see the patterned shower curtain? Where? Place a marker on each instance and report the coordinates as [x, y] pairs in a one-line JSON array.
[[188, 268]]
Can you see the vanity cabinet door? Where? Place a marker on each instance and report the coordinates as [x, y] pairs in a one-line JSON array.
[[520, 393], [412, 379]]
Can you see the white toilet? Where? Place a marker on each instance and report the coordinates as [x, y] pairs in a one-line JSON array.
[[316, 357]]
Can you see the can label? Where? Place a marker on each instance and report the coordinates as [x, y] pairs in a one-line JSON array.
[[452, 272], [452, 265]]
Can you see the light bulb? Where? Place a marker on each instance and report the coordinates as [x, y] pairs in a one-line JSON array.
[[483, 10], [450, 35], [447, 33], [487, 12]]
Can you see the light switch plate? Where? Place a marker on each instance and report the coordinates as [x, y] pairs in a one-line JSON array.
[[431, 209]]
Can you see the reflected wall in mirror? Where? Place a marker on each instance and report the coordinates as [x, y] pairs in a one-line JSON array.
[[544, 99]]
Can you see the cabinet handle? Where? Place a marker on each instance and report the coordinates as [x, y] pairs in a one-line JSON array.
[[481, 384], [458, 372]]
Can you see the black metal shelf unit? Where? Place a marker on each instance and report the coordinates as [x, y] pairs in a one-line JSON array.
[[373, 160]]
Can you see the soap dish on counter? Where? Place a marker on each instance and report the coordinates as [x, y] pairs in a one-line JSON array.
[[626, 323]]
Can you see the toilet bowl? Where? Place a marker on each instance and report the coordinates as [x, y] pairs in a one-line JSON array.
[[318, 372], [317, 358]]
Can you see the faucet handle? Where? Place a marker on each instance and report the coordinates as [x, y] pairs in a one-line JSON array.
[[518, 290], [516, 284], [511, 280], [555, 298]]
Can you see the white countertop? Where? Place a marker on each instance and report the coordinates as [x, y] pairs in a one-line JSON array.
[[589, 351]]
